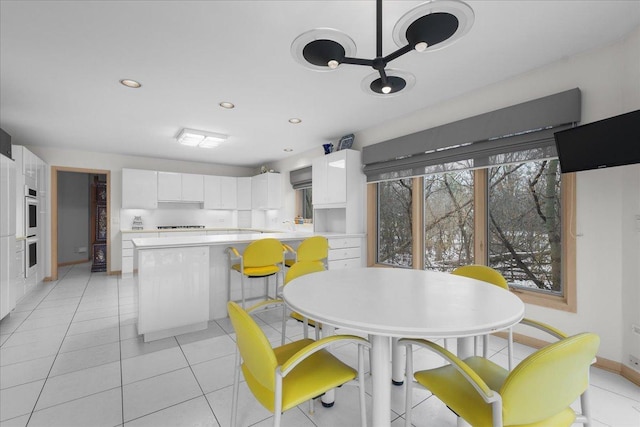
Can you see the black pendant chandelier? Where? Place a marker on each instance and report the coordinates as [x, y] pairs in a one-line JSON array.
[[429, 26]]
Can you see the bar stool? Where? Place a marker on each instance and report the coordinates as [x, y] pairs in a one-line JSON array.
[[261, 259], [313, 249]]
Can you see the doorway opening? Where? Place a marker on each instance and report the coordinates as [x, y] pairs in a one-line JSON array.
[[80, 218]]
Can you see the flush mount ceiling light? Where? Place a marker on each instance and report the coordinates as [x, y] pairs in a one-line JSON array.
[[199, 138], [130, 83], [295, 120], [227, 105], [427, 27]]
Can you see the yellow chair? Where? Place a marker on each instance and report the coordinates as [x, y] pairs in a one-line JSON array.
[[537, 393], [261, 259], [489, 275], [298, 269], [283, 377], [314, 248]]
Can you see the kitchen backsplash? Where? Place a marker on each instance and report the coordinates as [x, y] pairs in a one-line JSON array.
[[178, 216]]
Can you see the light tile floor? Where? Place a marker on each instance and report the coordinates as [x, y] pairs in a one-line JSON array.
[[70, 356]]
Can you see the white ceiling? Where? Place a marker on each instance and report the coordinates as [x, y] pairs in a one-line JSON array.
[[60, 63]]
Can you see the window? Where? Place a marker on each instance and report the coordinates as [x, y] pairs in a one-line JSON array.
[[394, 223], [509, 217], [304, 204], [448, 220], [525, 234]]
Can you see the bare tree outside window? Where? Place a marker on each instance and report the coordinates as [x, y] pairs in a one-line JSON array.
[[525, 224], [307, 203], [394, 223], [448, 220]]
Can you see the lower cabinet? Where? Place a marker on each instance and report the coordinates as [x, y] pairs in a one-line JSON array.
[[345, 252], [127, 251]]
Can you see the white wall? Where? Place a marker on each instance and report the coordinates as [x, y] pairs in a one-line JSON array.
[[608, 254], [115, 163], [73, 216]]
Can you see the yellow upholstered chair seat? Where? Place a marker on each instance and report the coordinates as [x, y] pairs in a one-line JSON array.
[[283, 377], [536, 393], [263, 271]]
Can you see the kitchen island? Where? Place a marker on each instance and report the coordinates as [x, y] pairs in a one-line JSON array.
[[183, 281]]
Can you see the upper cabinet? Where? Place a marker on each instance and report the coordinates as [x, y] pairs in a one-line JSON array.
[[220, 192], [180, 187], [334, 175], [266, 191], [139, 189], [244, 193]]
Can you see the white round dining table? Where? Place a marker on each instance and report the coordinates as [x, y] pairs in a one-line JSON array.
[[390, 303]]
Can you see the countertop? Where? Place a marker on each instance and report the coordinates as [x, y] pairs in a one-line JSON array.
[[228, 239]]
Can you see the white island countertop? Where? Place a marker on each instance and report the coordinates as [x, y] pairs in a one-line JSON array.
[[227, 239]]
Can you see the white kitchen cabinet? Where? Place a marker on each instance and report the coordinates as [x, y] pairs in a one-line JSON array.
[[169, 187], [139, 189], [127, 250], [244, 193], [334, 176], [180, 187], [220, 192], [266, 191], [173, 291], [338, 193], [345, 252], [192, 188]]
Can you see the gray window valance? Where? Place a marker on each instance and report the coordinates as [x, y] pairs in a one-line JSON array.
[[518, 133], [300, 178]]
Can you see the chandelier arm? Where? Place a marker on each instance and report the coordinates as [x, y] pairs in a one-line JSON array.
[[357, 61], [378, 28], [383, 77], [398, 53]]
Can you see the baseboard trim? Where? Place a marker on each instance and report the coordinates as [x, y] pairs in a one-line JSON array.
[[601, 362], [114, 273]]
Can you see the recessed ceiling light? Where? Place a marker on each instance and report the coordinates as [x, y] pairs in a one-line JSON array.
[[288, 150], [295, 120], [227, 105], [130, 83]]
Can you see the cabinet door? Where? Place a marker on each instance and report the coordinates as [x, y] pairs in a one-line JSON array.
[[244, 193], [169, 187], [192, 188], [259, 191], [212, 192], [336, 191], [228, 192], [274, 191], [139, 189]]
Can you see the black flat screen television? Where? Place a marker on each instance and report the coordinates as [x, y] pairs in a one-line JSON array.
[[603, 144]]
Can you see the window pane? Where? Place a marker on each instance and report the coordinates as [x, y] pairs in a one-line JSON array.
[[307, 206], [525, 224], [394, 223], [448, 220]]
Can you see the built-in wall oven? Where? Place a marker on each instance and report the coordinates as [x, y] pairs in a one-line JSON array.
[[31, 257], [31, 212]]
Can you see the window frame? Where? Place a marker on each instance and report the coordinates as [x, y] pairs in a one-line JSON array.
[[566, 302]]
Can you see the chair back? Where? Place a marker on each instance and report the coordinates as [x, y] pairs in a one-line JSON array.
[[263, 252], [314, 248], [301, 268], [482, 272], [254, 347], [548, 381]]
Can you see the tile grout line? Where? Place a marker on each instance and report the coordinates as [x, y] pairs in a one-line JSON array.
[[120, 350], [197, 382], [58, 352]]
